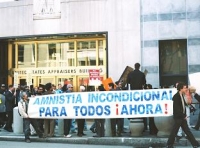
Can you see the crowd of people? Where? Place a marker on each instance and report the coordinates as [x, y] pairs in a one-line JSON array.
[[136, 80]]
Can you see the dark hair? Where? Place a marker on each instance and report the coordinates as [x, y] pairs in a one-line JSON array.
[[180, 86], [64, 88], [111, 85], [48, 86], [137, 66], [9, 86], [101, 88], [149, 86]]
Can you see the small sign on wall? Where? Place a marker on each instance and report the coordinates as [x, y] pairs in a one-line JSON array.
[[46, 9]]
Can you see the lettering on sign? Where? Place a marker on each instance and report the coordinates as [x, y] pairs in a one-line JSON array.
[[104, 104]]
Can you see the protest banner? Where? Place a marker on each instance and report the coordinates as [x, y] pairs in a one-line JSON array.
[[103, 104], [94, 77], [16, 80]]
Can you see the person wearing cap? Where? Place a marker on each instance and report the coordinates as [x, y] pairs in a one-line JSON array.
[[68, 122], [80, 122], [23, 111], [3, 89]]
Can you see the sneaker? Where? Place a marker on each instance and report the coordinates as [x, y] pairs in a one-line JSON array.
[[68, 136]]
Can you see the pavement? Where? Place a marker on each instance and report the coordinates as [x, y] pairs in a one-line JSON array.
[[145, 141]]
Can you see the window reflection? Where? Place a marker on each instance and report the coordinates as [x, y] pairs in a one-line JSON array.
[[101, 52], [86, 53], [173, 57], [56, 54], [26, 55]]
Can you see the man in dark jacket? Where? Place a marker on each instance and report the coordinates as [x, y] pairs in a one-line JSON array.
[[180, 118], [136, 78], [10, 104]]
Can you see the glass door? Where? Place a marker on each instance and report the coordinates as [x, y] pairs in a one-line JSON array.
[[45, 80]]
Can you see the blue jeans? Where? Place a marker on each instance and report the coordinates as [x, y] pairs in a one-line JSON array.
[[73, 128]]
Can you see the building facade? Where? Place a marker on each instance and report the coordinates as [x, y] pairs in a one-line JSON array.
[[54, 40]]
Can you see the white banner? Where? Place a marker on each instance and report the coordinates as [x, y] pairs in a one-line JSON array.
[[103, 104]]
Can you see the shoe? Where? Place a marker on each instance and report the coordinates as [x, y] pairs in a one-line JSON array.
[[169, 146], [96, 136], [83, 134], [79, 135], [34, 134], [7, 129], [195, 146], [42, 136], [68, 136], [28, 141], [195, 128]]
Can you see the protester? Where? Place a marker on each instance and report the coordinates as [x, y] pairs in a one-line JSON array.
[[80, 122], [2, 109], [180, 117], [23, 111], [67, 122], [197, 97], [136, 79], [115, 121], [100, 130], [49, 124], [10, 104]]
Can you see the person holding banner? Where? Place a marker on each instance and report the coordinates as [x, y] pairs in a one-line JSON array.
[[115, 121], [100, 130], [81, 122], [23, 111], [180, 117], [68, 122], [49, 124]]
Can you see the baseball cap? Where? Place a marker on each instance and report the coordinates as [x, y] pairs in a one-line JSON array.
[[69, 86], [3, 85]]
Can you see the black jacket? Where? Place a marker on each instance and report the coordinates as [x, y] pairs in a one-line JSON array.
[[178, 107], [197, 97], [136, 79], [10, 101]]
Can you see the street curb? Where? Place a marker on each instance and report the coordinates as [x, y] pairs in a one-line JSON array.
[[120, 141]]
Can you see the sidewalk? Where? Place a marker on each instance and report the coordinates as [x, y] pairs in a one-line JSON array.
[[146, 141]]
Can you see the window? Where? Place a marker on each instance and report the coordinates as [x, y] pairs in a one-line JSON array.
[[173, 61], [86, 53], [56, 54], [26, 55]]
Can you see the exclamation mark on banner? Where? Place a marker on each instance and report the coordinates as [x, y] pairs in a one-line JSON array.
[[116, 109], [166, 109]]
